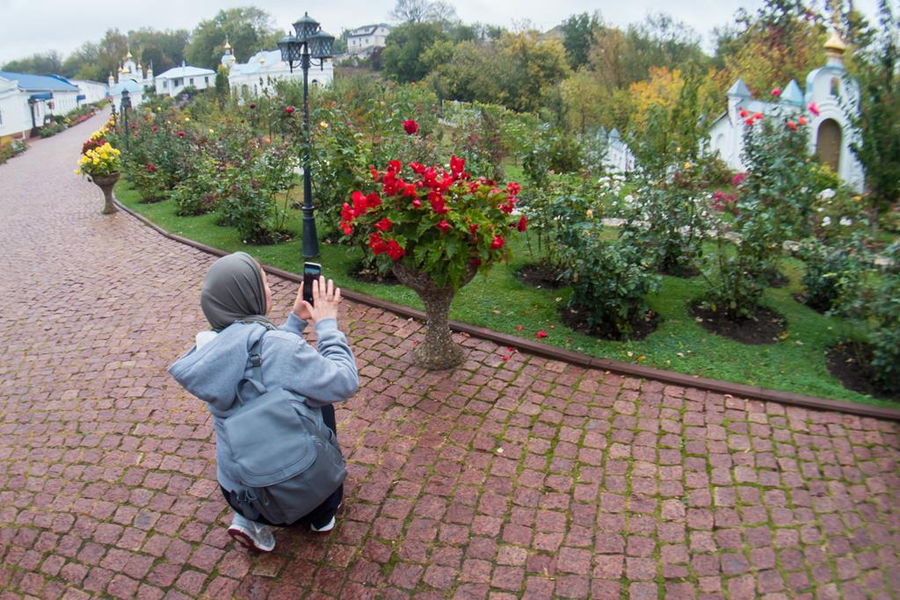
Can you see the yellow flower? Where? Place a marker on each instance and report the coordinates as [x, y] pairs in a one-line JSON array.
[[687, 165], [323, 125], [211, 132], [78, 171], [590, 214], [187, 119]]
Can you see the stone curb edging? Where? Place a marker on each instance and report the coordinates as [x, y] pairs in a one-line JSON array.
[[576, 358]]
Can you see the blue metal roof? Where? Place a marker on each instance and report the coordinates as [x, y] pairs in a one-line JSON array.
[[41, 83]]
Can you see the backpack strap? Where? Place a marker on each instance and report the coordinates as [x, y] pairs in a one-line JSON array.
[[255, 379]]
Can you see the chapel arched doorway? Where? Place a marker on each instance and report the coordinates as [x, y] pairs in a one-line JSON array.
[[828, 144]]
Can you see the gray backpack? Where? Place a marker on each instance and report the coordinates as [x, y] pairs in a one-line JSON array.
[[287, 459]]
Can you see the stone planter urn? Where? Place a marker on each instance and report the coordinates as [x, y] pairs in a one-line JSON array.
[[106, 183], [438, 350]]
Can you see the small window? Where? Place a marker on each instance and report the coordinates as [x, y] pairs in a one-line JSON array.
[[192, 81], [835, 87], [206, 80]]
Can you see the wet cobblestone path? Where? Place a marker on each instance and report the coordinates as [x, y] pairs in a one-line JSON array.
[[527, 478]]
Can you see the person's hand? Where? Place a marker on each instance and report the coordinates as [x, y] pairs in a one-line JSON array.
[[326, 298], [301, 308]]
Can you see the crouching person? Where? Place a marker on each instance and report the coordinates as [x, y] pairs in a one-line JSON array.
[[271, 396]]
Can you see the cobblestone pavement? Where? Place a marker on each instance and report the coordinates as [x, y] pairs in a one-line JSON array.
[[526, 478]]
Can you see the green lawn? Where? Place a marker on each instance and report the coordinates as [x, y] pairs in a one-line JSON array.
[[500, 302]]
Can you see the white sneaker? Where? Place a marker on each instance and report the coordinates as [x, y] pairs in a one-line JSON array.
[[324, 528], [249, 534]]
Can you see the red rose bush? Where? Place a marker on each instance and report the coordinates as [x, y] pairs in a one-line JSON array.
[[435, 228]]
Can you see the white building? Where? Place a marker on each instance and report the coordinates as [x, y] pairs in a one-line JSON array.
[[92, 91], [135, 93], [830, 132], [27, 101], [175, 80], [363, 40], [263, 69], [618, 158]]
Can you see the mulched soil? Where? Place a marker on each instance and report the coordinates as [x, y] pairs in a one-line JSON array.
[[801, 298], [576, 318], [764, 328], [541, 275], [850, 363], [362, 272]]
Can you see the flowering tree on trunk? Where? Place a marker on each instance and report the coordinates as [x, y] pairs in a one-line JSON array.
[[436, 228]]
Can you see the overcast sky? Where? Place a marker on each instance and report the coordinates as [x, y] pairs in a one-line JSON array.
[[29, 26]]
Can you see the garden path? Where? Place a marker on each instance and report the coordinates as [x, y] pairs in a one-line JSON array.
[[501, 479]]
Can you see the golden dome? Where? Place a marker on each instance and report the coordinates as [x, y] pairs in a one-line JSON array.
[[835, 45]]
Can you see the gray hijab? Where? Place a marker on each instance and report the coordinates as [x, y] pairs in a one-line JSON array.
[[234, 291]]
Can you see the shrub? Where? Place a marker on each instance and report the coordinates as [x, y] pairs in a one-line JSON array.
[[833, 273], [665, 218], [610, 280], [877, 307], [51, 129], [196, 192], [772, 203]]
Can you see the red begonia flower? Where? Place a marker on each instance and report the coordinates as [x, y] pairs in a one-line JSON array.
[[394, 250], [518, 328], [792, 125], [289, 110], [473, 227], [457, 165], [523, 223], [498, 242], [151, 167], [416, 203], [541, 334], [475, 262], [813, 108], [410, 126], [443, 226], [744, 113], [383, 224], [776, 92], [180, 134], [513, 189], [802, 120], [395, 165], [346, 213]]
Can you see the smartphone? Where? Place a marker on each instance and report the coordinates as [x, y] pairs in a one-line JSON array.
[[311, 272]]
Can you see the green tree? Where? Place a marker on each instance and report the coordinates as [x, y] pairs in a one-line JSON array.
[[248, 29], [579, 36], [162, 49], [534, 65], [784, 40], [41, 63], [401, 59], [878, 123]]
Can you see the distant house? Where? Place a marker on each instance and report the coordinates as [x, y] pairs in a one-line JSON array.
[[27, 101], [175, 80], [363, 40], [830, 132], [263, 69]]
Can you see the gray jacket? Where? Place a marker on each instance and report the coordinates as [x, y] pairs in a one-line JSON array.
[[213, 367]]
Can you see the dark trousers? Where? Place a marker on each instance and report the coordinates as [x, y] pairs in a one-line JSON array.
[[322, 513]]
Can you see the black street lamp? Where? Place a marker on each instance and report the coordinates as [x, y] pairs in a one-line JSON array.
[[308, 45], [125, 106]]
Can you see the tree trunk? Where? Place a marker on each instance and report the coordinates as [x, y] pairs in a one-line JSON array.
[[106, 184], [438, 350]]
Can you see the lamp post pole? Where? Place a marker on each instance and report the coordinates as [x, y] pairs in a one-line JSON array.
[[310, 237], [126, 104], [310, 43]]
